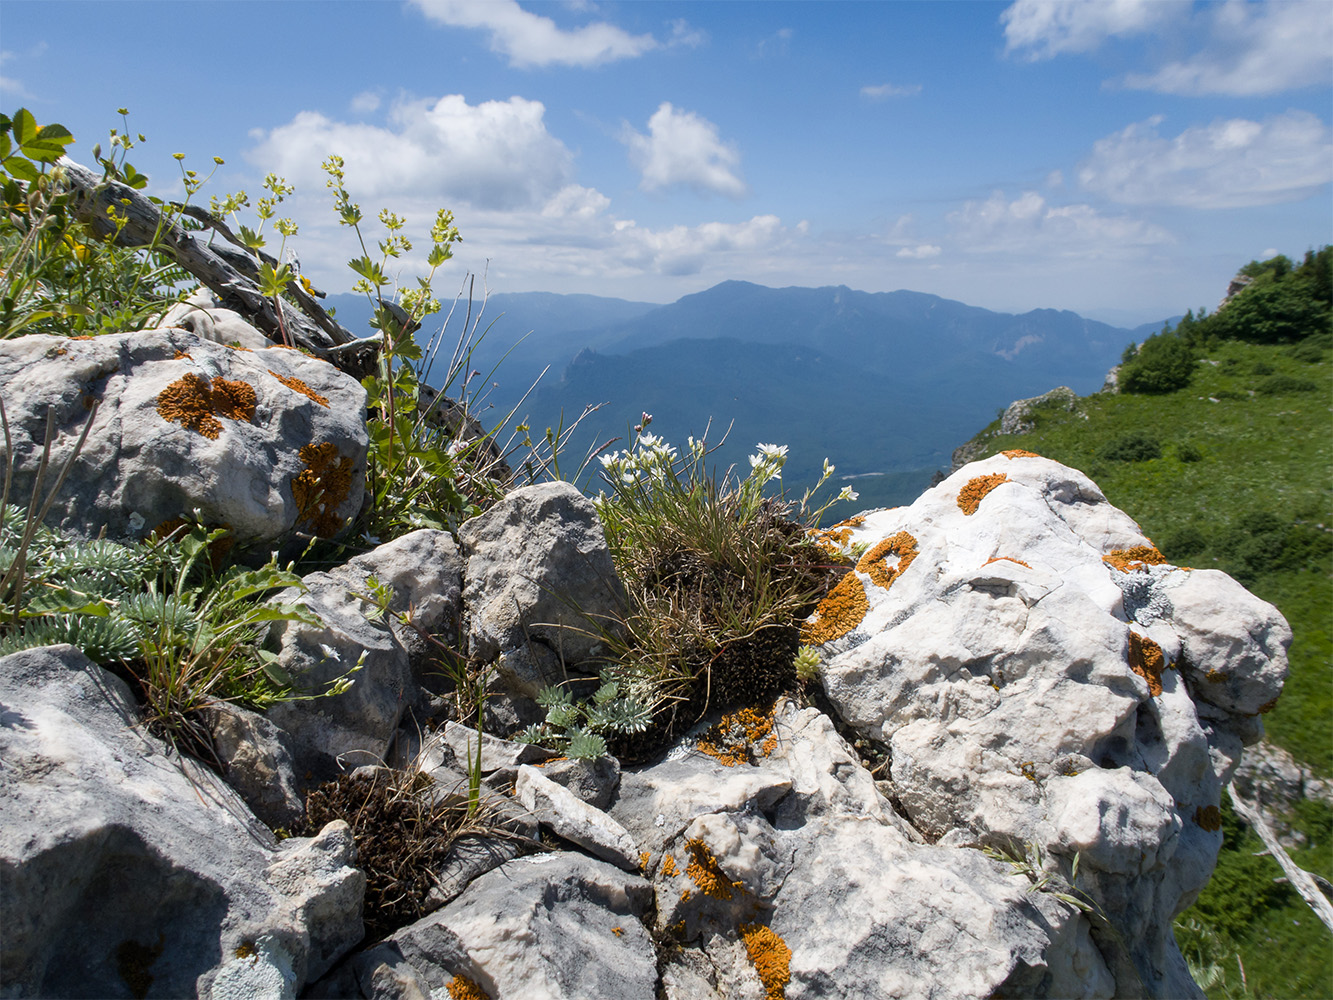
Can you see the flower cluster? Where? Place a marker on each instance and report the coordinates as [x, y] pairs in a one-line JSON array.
[[650, 460]]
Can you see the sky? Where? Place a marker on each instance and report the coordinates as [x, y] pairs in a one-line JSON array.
[[1120, 159]]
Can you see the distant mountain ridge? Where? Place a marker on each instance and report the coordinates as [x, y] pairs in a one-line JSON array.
[[884, 384]]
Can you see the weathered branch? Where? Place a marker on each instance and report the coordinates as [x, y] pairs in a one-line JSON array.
[[1298, 877], [232, 275]]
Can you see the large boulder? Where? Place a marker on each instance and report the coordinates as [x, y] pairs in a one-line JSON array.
[[358, 725], [1039, 674], [541, 589], [266, 442], [127, 870]]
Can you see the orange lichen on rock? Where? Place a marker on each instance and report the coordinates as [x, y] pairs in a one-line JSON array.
[[732, 741], [970, 496], [705, 873], [1209, 818], [1019, 453], [838, 613], [771, 958], [617, 931], [1147, 660], [835, 539], [669, 866], [645, 857], [463, 988], [321, 488], [181, 356], [196, 403], [1005, 559], [296, 385], [889, 559], [1138, 557]]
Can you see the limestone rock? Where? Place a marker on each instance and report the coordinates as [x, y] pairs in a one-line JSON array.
[[568, 816], [1039, 673], [358, 726], [795, 867], [558, 926], [266, 442], [257, 762], [593, 781], [125, 870], [201, 315], [1017, 417], [540, 586]]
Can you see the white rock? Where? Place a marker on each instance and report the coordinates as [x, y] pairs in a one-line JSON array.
[[559, 809]]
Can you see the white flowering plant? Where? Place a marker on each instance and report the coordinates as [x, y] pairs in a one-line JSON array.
[[718, 569]]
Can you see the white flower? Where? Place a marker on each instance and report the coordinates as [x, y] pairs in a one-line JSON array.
[[608, 461], [848, 494], [773, 452], [828, 468]]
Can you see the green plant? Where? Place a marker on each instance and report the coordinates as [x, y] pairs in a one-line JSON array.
[[579, 729], [807, 664], [1163, 363], [717, 575], [58, 274], [1133, 447]]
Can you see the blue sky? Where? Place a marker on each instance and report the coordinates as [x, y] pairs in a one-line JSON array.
[[1117, 158]]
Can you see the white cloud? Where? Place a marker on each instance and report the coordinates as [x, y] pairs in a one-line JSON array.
[[1227, 164], [883, 91], [776, 44], [683, 149], [529, 39], [1041, 29], [1254, 49], [497, 154], [920, 252], [1029, 224], [365, 102], [683, 34]]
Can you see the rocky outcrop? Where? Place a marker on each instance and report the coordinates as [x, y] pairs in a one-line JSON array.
[[1033, 682], [127, 870], [266, 442], [1039, 674]]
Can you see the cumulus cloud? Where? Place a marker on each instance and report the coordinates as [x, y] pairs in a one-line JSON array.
[[496, 154], [1253, 50], [1030, 224], [1229, 163], [883, 91], [531, 40], [682, 149], [1041, 29]]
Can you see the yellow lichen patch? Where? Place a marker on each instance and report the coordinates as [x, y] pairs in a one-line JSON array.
[[732, 741], [195, 403], [705, 873], [1209, 818], [1019, 453], [970, 496], [889, 559], [1215, 676], [238, 347], [245, 949], [1147, 660], [1138, 557], [838, 613], [644, 858], [296, 385], [463, 988], [181, 356], [1006, 559], [321, 488], [771, 958], [617, 931], [669, 866]]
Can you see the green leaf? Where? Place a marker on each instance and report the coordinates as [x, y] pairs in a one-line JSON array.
[[48, 145], [22, 169], [25, 126]]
